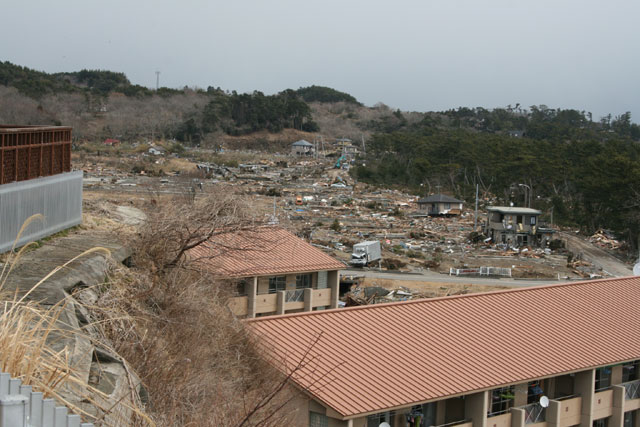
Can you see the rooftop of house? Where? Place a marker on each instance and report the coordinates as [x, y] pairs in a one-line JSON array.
[[439, 198], [513, 210], [302, 143], [260, 252], [369, 359]]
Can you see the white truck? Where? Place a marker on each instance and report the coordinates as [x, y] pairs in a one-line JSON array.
[[366, 253]]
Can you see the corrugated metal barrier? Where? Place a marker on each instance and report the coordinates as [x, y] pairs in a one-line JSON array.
[[22, 407], [57, 197]]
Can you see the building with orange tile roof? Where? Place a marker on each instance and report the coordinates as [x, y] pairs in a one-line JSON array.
[[277, 271], [484, 359]]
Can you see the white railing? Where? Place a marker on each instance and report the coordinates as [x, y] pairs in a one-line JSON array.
[[534, 413], [480, 271], [632, 390], [22, 407], [294, 296]]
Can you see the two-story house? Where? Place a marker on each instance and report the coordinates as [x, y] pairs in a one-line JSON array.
[[516, 226], [274, 271]]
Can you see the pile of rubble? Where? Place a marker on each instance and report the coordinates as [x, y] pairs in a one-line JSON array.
[[605, 239], [366, 295]]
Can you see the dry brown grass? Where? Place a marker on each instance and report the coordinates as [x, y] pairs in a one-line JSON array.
[[194, 357], [431, 289], [171, 322], [29, 334]]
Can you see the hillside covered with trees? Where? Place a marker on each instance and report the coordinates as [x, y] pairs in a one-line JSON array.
[[582, 168], [587, 173]]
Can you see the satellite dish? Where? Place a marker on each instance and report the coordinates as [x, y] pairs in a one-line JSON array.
[[544, 401], [636, 269], [385, 424]]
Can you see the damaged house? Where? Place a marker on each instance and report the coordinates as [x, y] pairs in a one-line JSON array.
[[516, 226], [440, 204], [302, 148]]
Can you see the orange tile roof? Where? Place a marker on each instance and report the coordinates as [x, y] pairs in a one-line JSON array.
[[261, 251], [375, 358]]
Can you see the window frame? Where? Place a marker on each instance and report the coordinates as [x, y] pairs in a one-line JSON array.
[[277, 283], [302, 279], [502, 404], [316, 419]]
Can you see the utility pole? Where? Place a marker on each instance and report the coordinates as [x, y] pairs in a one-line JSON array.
[[527, 194], [157, 80], [475, 216]]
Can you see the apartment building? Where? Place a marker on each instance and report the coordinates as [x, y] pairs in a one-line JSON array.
[[558, 355], [273, 271]]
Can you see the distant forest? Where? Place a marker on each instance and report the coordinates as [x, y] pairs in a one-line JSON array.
[[585, 170], [587, 173]]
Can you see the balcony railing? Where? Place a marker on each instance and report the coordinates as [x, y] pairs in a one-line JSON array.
[[534, 413], [294, 296], [632, 390], [455, 423]]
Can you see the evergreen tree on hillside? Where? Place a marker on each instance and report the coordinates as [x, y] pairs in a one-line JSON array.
[[325, 94]]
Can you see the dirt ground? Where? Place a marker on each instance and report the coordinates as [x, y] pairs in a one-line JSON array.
[[431, 289], [335, 213], [599, 257]]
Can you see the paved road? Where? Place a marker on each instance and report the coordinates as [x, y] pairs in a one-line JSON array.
[[433, 277], [599, 257]]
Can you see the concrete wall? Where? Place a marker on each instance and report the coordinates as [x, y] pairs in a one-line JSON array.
[[57, 197]]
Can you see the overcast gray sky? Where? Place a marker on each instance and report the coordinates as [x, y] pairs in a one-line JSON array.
[[418, 55]]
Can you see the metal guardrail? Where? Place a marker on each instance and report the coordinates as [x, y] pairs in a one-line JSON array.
[[58, 197], [631, 390], [294, 296], [22, 407]]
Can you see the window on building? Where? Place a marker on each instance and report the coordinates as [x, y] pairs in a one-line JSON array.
[[501, 400], [604, 422], [318, 420], [630, 371], [447, 205], [532, 220], [519, 219], [303, 281], [241, 287], [277, 283], [603, 378], [377, 419], [630, 419]]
